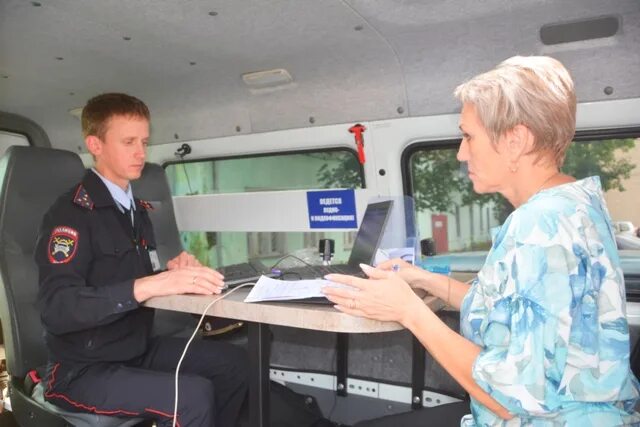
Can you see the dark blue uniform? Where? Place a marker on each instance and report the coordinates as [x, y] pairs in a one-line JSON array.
[[102, 356]]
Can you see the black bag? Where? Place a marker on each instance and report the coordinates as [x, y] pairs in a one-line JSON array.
[[291, 409]]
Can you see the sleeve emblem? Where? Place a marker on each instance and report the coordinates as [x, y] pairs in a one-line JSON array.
[[63, 244]]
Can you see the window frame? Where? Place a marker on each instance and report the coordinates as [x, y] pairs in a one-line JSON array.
[[270, 154]]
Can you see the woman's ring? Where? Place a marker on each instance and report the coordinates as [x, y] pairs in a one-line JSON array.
[[193, 282]]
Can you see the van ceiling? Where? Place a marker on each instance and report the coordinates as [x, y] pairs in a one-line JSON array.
[[350, 60]]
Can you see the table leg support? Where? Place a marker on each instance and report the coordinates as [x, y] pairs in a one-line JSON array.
[[417, 373], [259, 398], [342, 363]]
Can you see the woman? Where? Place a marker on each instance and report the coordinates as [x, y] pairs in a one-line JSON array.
[[544, 334]]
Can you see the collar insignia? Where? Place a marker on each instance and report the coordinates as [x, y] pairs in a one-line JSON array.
[[145, 205], [81, 198]]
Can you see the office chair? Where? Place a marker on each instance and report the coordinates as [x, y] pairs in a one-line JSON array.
[[31, 179]]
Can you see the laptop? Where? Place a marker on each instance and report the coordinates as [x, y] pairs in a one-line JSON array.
[[364, 248]]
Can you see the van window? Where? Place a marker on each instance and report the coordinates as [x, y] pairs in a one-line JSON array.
[[7, 139], [290, 171], [459, 221]]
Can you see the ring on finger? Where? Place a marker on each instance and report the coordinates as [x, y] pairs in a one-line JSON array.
[[353, 304], [193, 281]]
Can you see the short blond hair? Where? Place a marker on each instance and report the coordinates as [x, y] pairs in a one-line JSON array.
[[534, 91], [100, 109]]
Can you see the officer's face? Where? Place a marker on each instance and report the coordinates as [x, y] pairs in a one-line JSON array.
[[121, 153]]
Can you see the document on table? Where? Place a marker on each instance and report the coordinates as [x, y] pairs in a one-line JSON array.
[[267, 289]]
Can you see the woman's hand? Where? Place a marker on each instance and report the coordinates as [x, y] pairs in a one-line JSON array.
[[414, 276], [385, 296]]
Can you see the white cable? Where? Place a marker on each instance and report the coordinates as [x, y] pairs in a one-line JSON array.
[[184, 352]]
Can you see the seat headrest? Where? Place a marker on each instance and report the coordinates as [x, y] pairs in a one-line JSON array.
[[152, 184], [153, 187]]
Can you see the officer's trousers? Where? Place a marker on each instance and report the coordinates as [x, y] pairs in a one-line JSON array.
[[212, 384]]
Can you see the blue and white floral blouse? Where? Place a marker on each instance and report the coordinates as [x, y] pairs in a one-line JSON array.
[[548, 310]]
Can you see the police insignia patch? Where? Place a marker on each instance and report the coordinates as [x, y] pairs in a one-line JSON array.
[[62, 245]]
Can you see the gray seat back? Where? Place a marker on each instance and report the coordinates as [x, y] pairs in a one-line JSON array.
[[31, 179], [153, 187]]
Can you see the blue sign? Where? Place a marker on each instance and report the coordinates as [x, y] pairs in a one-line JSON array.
[[332, 209]]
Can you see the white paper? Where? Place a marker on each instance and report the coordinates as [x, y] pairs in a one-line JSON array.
[[267, 289]]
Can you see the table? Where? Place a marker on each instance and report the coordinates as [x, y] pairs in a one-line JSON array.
[[259, 316]]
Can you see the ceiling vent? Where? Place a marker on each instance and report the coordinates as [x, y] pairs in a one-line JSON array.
[[267, 78], [584, 29]]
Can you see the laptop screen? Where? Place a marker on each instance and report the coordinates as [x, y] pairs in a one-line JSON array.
[[370, 233]]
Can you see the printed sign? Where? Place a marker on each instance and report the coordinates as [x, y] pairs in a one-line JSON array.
[[332, 209]]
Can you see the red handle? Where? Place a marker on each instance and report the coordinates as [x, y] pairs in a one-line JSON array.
[[357, 130]]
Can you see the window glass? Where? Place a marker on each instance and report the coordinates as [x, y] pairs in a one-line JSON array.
[[297, 171], [459, 221], [7, 139]]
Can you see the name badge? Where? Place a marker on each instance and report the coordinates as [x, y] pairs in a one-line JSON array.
[[155, 261]]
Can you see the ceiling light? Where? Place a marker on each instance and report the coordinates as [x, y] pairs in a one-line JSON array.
[[267, 78], [76, 112]]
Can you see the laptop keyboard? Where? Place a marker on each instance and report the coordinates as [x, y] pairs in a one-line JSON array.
[[319, 271], [236, 274]]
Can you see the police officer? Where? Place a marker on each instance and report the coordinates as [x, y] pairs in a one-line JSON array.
[[97, 263]]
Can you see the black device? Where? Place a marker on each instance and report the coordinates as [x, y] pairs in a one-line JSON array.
[[245, 272], [428, 246], [327, 248]]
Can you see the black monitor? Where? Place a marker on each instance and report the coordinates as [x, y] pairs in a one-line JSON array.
[[370, 233]]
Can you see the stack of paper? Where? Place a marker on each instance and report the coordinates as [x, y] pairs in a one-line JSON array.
[[267, 289]]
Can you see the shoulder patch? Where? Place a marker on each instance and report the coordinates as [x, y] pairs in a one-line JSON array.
[[63, 244], [145, 205], [81, 198]]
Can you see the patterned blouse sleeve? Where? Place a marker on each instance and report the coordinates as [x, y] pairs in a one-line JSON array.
[[554, 329]]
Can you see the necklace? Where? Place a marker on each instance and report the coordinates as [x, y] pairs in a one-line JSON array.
[[546, 181]]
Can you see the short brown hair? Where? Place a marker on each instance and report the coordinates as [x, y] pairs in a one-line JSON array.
[[100, 109], [535, 91]]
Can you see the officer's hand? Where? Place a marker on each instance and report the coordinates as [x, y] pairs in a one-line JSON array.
[[186, 280], [185, 259]]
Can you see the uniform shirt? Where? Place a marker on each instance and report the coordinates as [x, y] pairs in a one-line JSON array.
[[548, 311], [88, 255], [123, 198]]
